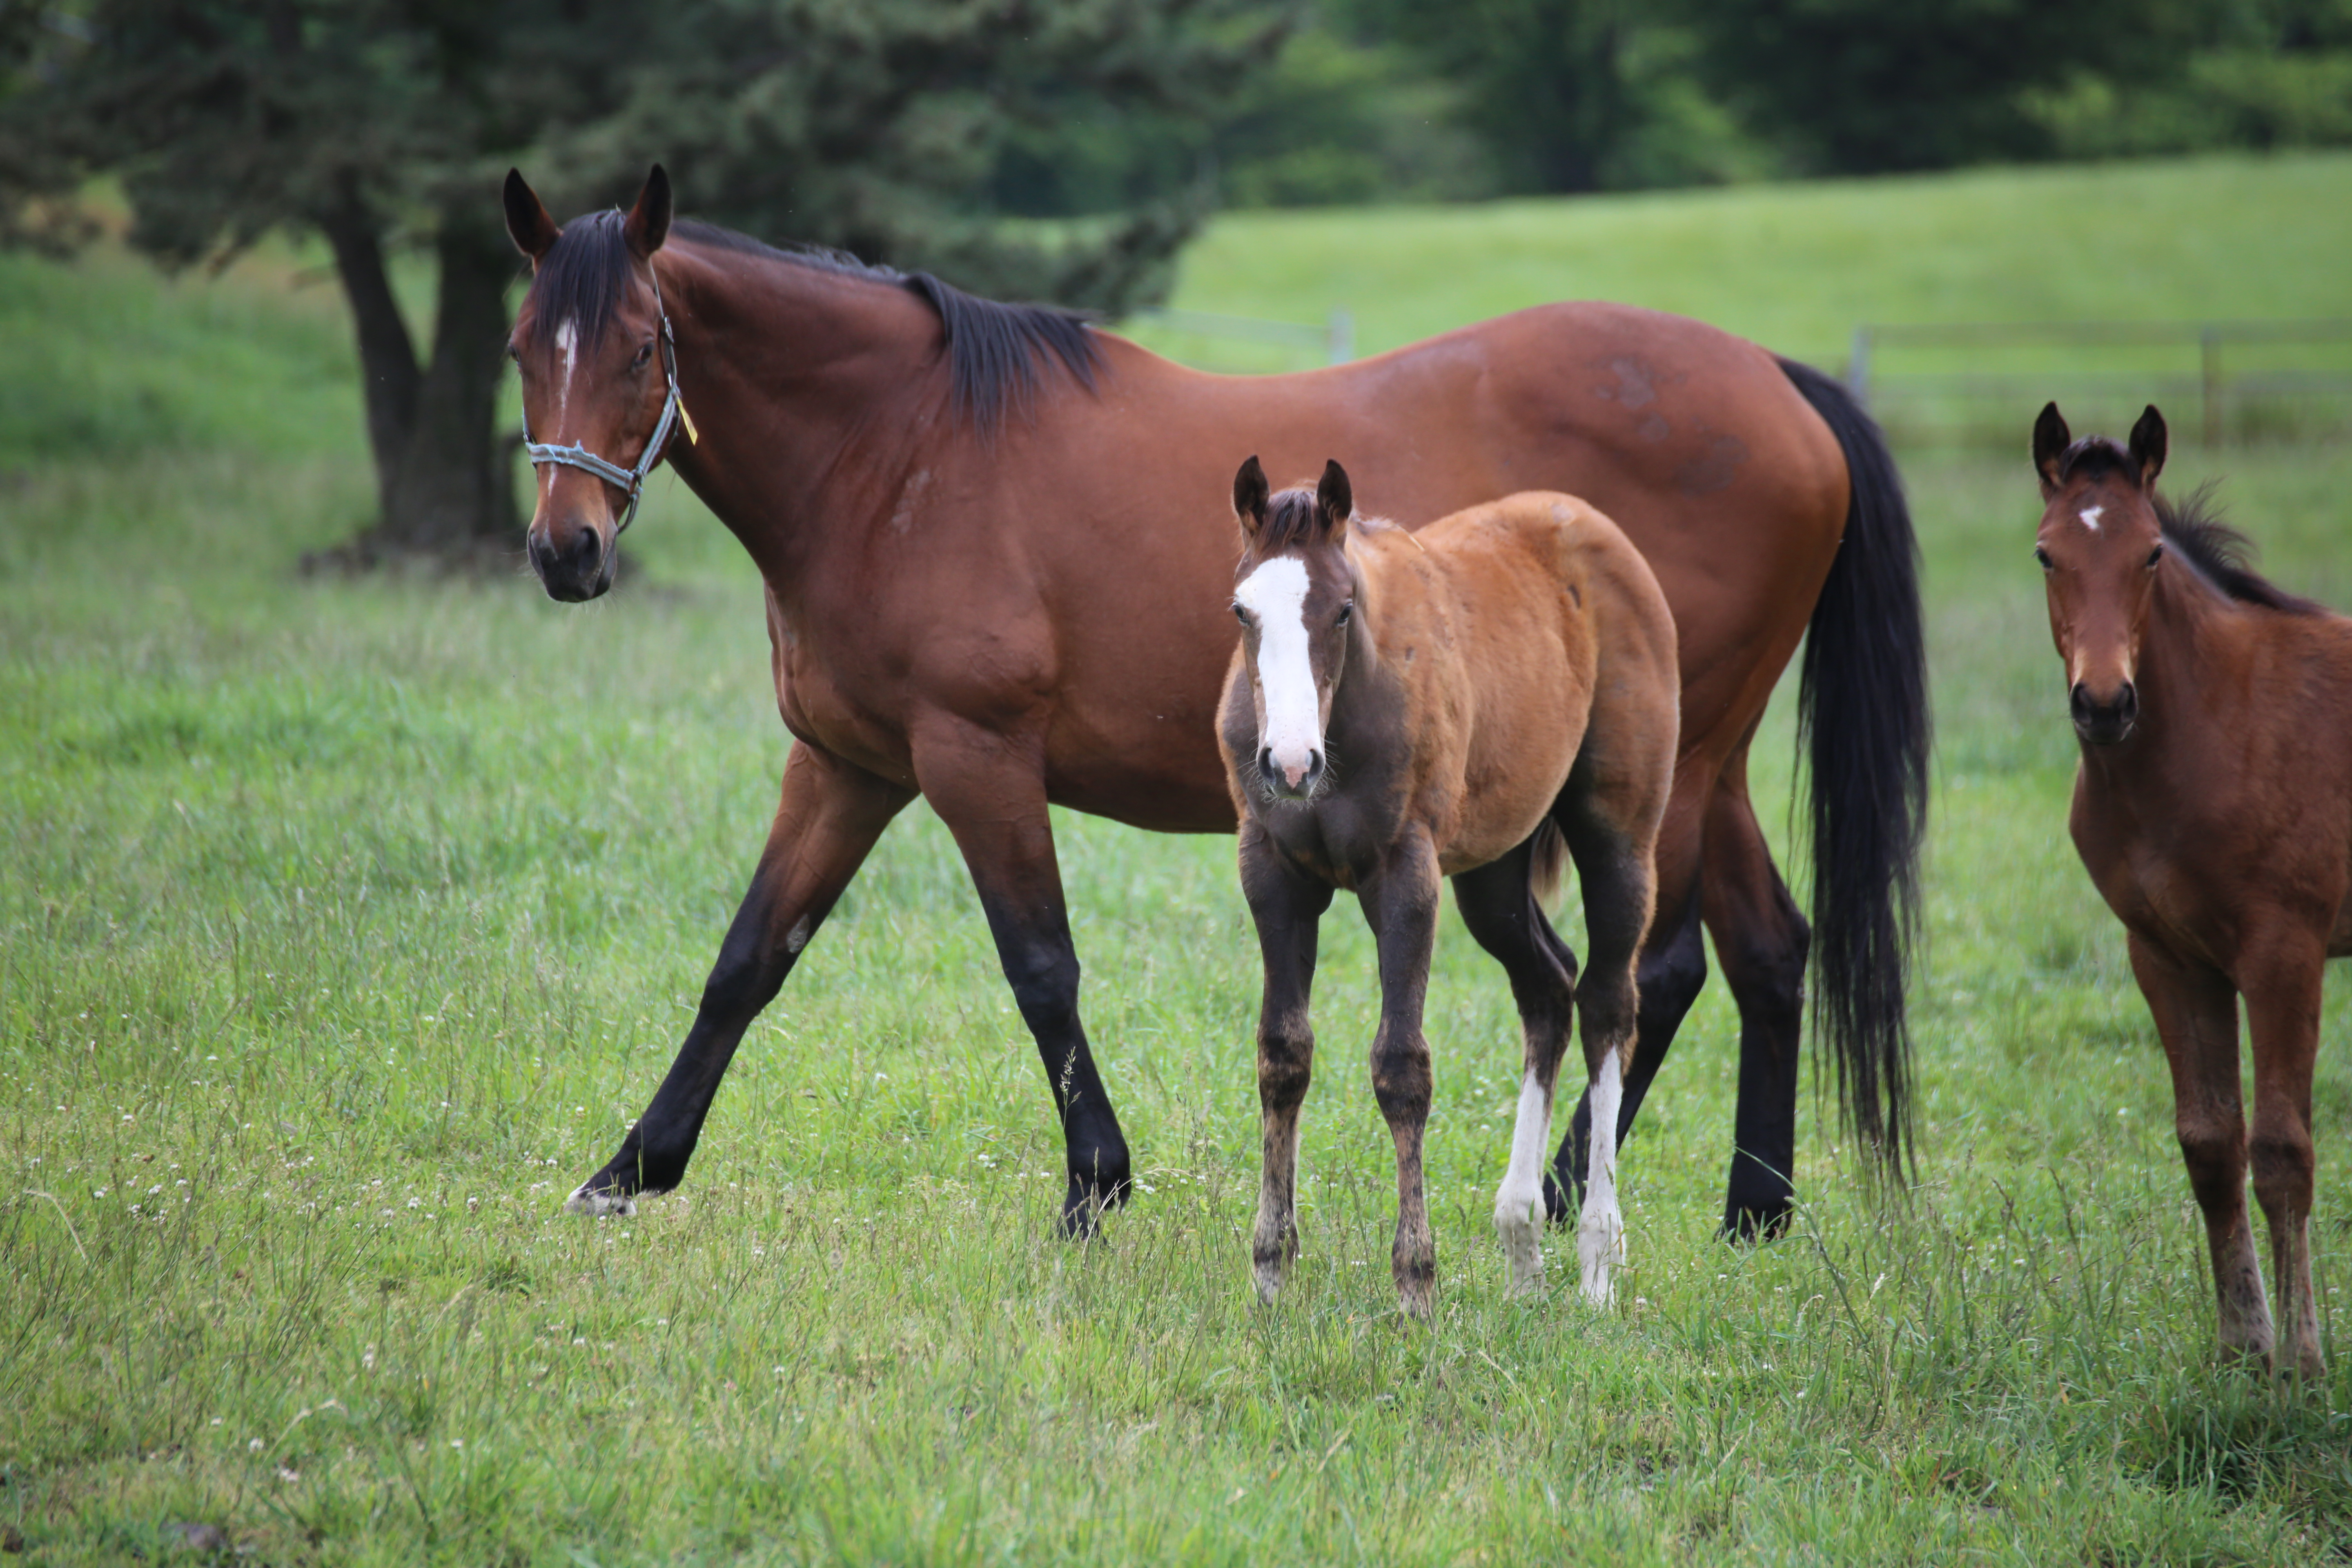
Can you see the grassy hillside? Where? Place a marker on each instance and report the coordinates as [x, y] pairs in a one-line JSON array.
[[343, 924]]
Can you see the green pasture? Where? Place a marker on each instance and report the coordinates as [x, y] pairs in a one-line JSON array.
[[344, 923]]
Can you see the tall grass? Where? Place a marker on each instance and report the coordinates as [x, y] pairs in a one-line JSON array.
[[346, 923]]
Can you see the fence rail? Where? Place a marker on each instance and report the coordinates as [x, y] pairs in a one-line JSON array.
[[2211, 381]]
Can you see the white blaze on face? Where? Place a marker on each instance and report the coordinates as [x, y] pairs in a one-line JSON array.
[[2090, 516], [1275, 596], [567, 342]]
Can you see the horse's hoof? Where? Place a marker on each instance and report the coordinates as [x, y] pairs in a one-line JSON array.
[[1600, 1252], [594, 1200], [1518, 1225], [1766, 1221]]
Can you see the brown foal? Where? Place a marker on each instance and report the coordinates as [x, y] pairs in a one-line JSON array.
[[1462, 703], [2213, 808]]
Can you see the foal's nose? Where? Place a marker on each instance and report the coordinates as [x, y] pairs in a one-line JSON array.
[[2104, 723], [1297, 777]]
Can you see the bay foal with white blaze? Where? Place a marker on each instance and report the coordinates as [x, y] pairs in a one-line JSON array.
[[1465, 702], [2213, 809]]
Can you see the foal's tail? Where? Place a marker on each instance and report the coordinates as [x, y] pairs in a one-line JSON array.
[[1861, 716]]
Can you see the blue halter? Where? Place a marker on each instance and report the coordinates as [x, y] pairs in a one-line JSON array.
[[630, 481]]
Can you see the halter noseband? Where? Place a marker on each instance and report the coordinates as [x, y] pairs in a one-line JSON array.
[[630, 481]]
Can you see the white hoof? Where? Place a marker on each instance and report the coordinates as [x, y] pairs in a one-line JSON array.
[[1518, 1225], [1599, 1251], [595, 1205]]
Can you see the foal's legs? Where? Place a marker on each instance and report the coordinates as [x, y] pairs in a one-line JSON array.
[[1761, 941], [2196, 1013], [1401, 903], [2282, 984], [826, 823], [1498, 904], [990, 790], [1284, 904]]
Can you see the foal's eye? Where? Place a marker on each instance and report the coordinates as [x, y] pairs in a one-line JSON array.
[[1241, 614], [513, 352], [1346, 611], [2154, 555], [2042, 556], [645, 354]]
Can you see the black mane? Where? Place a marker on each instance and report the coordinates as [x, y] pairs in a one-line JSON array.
[[2221, 554], [994, 351]]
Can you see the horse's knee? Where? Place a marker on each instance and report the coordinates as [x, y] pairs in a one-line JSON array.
[[1402, 1079], [1285, 1061], [1045, 981], [1765, 966], [2281, 1161], [2213, 1150]]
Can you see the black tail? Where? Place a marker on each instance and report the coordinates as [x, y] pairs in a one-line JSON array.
[[1862, 717]]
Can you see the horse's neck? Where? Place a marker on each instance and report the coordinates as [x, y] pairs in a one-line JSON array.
[[801, 383]]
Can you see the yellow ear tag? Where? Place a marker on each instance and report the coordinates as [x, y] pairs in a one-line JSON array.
[[687, 420]]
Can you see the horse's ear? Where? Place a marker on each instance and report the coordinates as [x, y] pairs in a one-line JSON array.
[[1335, 500], [2147, 443], [1250, 493], [527, 221], [2050, 439], [648, 224]]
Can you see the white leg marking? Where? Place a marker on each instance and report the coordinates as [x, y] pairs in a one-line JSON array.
[[1520, 1202], [1601, 1234], [1275, 596]]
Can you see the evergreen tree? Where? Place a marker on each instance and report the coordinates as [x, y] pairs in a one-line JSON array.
[[865, 124]]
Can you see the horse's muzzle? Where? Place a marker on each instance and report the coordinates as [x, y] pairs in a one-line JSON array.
[[581, 570], [2104, 723], [1284, 783]]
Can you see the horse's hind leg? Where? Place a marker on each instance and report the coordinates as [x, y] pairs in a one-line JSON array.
[[1672, 970], [826, 823], [2196, 1011], [2281, 987], [1284, 905], [1498, 904], [1762, 941], [1401, 903], [990, 790]]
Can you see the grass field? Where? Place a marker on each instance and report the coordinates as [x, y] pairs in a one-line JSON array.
[[344, 923]]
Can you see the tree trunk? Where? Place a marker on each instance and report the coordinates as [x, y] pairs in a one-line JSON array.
[[388, 372], [452, 491]]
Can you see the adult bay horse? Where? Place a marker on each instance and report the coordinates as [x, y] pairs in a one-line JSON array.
[[1467, 701], [966, 601], [2213, 809]]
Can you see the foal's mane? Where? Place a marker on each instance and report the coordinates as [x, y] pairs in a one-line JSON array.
[[994, 350], [2218, 554]]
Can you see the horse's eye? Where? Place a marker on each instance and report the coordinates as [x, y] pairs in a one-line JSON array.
[[513, 352], [2154, 555], [1346, 611], [2042, 556], [1241, 614], [644, 354]]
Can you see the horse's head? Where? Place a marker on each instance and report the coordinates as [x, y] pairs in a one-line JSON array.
[[598, 376], [2099, 546], [1295, 595]]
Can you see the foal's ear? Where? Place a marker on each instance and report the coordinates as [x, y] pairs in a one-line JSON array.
[[648, 224], [2148, 447], [528, 224], [2051, 438], [1250, 493], [1335, 500]]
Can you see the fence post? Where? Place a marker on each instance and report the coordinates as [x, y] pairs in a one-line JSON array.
[[1342, 335], [1857, 367], [2209, 345]]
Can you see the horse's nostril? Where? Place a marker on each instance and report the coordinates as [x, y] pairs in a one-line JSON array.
[[2127, 702], [1265, 762]]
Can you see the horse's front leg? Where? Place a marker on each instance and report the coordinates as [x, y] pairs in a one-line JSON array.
[[830, 815], [2196, 1011], [1401, 903], [990, 790], [1286, 905], [2281, 980]]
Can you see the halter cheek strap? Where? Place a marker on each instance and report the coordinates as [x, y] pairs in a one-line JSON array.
[[629, 481]]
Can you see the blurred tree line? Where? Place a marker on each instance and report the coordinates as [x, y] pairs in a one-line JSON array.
[[1046, 148]]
